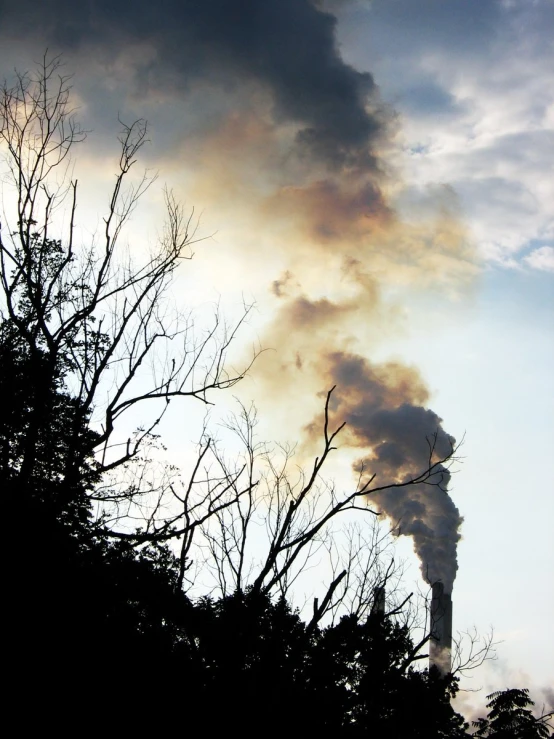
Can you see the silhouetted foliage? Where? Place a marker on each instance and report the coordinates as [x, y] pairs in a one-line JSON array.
[[510, 718], [267, 669]]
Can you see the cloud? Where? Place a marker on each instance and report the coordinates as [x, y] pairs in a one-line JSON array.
[[541, 258], [487, 68], [428, 99]]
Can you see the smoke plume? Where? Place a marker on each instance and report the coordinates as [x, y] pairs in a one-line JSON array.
[[286, 46], [288, 144], [383, 406]]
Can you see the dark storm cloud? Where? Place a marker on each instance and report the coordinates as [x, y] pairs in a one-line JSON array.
[[287, 46]]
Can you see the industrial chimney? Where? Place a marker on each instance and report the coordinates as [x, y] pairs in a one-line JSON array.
[[378, 606], [440, 646]]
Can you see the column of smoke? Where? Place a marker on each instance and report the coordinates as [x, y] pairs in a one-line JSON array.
[[384, 409], [291, 138], [383, 406]]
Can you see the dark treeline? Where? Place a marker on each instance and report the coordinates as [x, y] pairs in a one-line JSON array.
[[104, 632], [104, 622]]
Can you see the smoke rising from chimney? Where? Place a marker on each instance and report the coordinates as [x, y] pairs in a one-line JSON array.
[[384, 412], [290, 140]]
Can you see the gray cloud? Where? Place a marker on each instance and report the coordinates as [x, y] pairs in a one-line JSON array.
[[458, 24], [429, 99], [472, 81]]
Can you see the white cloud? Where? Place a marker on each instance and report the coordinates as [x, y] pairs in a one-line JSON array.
[[476, 112], [541, 258]]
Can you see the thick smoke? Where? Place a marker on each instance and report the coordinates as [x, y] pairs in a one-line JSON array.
[[286, 46], [291, 138], [383, 408]]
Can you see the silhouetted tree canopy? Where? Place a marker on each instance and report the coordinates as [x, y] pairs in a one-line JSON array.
[[509, 716]]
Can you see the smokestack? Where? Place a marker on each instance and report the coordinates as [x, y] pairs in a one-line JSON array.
[[378, 607], [440, 649]]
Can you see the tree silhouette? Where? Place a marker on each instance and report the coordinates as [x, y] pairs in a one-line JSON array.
[[510, 718], [88, 318]]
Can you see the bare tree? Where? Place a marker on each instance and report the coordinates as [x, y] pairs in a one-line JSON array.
[[274, 522], [285, 518], [96, 315], [471, 649]]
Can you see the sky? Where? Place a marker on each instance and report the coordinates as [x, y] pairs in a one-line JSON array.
[[378, 177]]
